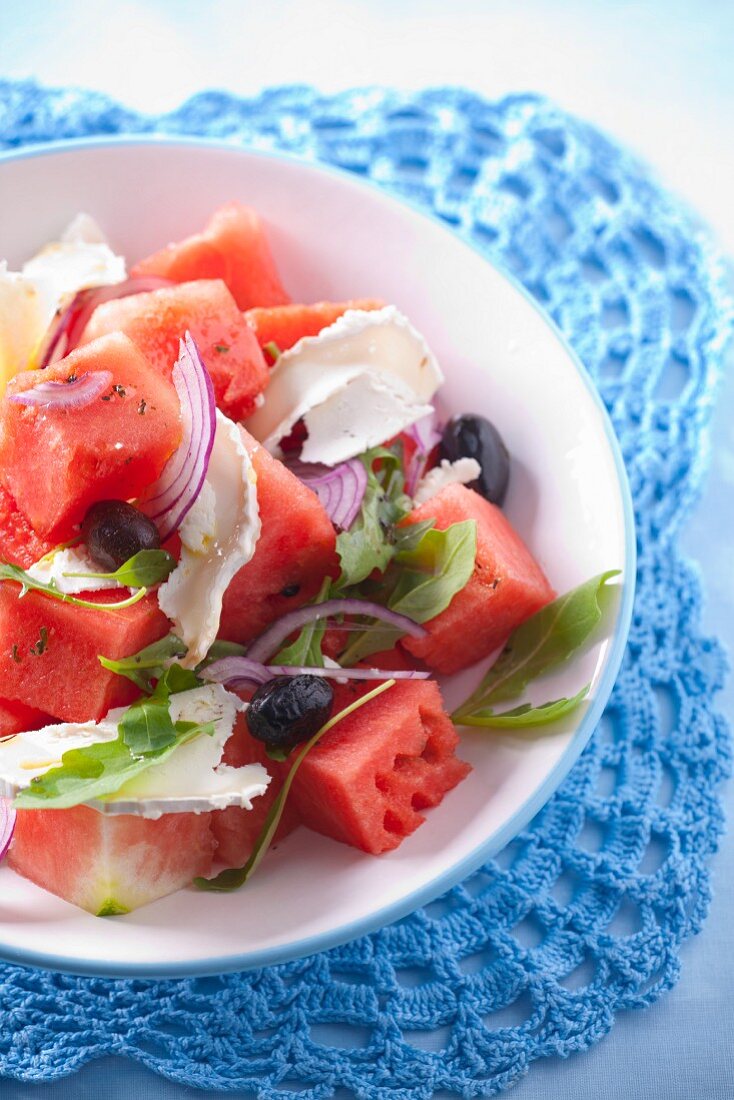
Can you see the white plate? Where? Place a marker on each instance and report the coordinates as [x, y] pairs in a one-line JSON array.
[[335, 237]]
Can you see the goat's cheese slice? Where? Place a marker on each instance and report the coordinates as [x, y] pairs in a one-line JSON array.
[[55, 567], [461, 472], [30, 298], [191, 780], [218, 536], [361, 380]]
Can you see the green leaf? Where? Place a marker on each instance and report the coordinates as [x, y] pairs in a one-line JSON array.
[[543, 642], [93, 772], [144, 569], [15, 573], [425, 582], [306, 649], [235, 877], [149, 664], [147, 725], [369, 543], [526, 715], [408, 538]]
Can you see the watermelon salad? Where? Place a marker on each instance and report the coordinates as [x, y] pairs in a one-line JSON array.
[[239, 545]]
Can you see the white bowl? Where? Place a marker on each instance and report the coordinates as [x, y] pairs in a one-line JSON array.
[[336, 237]]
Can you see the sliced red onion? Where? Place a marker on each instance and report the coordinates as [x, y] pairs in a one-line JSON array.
[[340, 488], [239, 673], [65, 395], [275, 635], [7, 826], [425, 433], [66, 332], [168, 501]]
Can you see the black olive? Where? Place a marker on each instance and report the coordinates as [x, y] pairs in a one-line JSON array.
[[114, 531], [471, 436], [289, 709]]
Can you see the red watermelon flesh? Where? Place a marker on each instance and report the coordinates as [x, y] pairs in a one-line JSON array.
[[286, 325], [296, 551], [110, 865], [19, 543], [62, 675], [368, 780], [234, 248], [157, 319], [236, 830], [16, 717], [56, 462], [506, 587]]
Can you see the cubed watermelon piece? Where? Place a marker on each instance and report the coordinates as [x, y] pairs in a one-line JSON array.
[[16, 717], [236, 830], [157, 319], [506, 587], [286, 325], [368, 780], [295, 552], [19, 543], [234, 248], [49, 650], [56, 462], [110, 865]]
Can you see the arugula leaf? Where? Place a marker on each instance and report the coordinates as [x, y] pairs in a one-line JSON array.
[[306, 649], [152, 662], [95, 771], [235, 877], [147, 725], [425, 581], [149, 663], [369, 542], [541, 643], [408, 538], [28, 583], [144, 569], [526, 715], [544, 641]]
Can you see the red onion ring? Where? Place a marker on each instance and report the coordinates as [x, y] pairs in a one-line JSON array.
[[169, 500], [65, 395], [340, 488], [239, 673], [425, 433], [66, 331], [7, 826], [271, 639]]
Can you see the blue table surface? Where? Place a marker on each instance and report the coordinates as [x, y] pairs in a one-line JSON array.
[[602, 61], [680, 1049]]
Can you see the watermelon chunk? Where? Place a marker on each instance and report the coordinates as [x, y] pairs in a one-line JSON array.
[[56, 462], [506, 587], [16, 717], [234, 248], [236, 830], [157, 319], [295, 552], [286, 325], [19, 543], [62, 674], [368, 780], [110, 865]]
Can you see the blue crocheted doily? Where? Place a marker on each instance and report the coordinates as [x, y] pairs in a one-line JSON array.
[[585, 913]]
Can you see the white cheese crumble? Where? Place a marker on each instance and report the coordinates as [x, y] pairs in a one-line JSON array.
[[364, 378], [74, 559], [460, 472]]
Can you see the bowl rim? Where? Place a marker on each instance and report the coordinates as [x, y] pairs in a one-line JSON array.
[[490, 847]]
